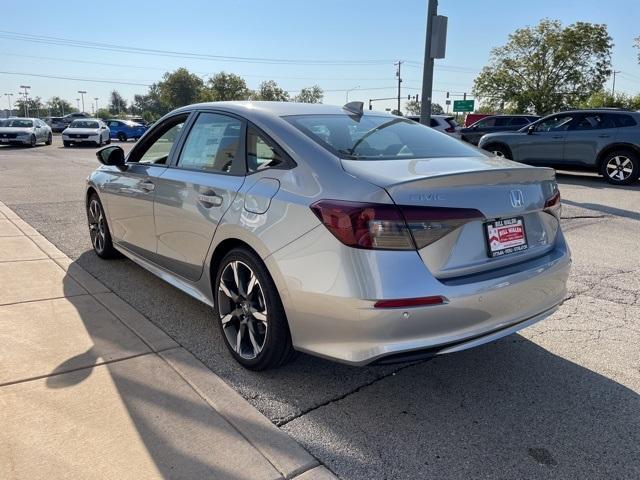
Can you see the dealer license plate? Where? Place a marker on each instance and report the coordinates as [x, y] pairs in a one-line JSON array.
[[505, 236]]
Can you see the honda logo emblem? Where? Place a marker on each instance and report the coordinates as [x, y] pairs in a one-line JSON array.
[[517, 199]]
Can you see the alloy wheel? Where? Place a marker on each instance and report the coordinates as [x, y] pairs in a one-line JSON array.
[[242, 309], [619, 168], [97, 229], [498, 153]]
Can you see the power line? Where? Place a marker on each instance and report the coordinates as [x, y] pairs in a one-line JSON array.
[[76, 78], [49, 40]]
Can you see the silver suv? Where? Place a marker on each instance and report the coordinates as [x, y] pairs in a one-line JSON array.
[[604, 140]]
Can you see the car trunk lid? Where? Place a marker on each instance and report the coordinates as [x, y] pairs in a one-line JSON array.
[[498, 188]]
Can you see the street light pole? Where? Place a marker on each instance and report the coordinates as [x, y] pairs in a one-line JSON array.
[[351, 90], [82, 92], [9, 95], [26, 99], [427, 74], [96, 99], [613, 87], [78, 101]]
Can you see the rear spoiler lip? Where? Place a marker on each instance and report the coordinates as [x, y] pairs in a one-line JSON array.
[[508, 175]]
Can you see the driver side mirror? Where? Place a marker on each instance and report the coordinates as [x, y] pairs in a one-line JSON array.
[[112, 155], [531, 129]]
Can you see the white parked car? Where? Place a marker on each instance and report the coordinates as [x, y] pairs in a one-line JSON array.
[[86, 130], [443, 123], [24, 131]]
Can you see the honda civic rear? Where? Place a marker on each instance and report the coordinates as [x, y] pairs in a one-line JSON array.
[[462, 249]]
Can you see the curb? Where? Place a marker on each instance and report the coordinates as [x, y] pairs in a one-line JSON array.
[[285, 454]]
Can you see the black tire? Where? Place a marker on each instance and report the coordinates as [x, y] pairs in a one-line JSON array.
[[49, 140], [277, 348], [498, 150], [33, 141], [122, 137], [620, 167], [66, 144], [108, 140], [99, 142], [98, 227]]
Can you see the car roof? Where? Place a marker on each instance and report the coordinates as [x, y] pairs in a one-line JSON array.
[[279, 109]]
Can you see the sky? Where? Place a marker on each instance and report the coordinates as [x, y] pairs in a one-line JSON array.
[[354, 43]]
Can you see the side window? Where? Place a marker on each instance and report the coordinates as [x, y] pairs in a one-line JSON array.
[[213, 145], [519, 121], [433, 123], [502, 121], [157, 148], [486, 122], [260, 152], [594, 121], [554, 123], [624, 121]]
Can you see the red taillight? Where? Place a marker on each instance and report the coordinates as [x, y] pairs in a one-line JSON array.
[[450, 129], [553, 206], [409, 302], [389, 227]]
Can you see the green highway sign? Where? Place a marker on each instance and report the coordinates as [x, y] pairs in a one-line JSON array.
[[463, 105]]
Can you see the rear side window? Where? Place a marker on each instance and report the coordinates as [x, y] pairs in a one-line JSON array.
[[519, 121], [213, 145], [502, 121], [486, 122], [594, 121], [624, 121], [370, 137]]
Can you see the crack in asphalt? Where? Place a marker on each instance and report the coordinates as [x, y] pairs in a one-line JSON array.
[[280, 422]]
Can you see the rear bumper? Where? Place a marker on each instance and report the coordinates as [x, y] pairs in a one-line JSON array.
[[328, 292]]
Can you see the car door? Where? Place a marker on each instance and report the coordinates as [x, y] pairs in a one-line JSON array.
[[545, 143], [586, 137], [130, 192], [197, 190]]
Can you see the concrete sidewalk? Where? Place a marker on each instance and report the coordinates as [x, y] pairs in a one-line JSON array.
[[89, 388]]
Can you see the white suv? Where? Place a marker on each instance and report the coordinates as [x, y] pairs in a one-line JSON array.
[[443, 123]]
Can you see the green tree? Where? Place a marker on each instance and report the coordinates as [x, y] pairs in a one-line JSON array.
[[546, 67], [180, 88], [117, 103], [413, 108], [227, 86], [104, 113], [312, 94], [605, 99], [149, 105], [270, 91], [58, 107], [35, 107]]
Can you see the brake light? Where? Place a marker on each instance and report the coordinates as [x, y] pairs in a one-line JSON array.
[[450, 129], [389, 227], [409, 302], [553, 205]]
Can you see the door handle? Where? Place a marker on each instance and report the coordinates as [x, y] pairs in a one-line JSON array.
[[147, 186], [210, 200]]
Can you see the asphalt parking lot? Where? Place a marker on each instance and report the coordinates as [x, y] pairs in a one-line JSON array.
[[559, 400]]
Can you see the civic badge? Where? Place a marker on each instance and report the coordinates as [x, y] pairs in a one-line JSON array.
[[517, 199]]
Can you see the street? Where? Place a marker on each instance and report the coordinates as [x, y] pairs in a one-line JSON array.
[[561, 399]]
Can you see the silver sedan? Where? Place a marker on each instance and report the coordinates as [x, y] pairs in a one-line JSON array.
[[353, 235], [24, 131]]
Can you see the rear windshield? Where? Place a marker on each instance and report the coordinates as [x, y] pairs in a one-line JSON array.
[[378, 138], [19, 123], [83, 124]]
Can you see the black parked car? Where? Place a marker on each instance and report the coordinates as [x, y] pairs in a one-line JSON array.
[[495, 123], [58, 124]]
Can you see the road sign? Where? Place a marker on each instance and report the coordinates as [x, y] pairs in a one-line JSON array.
[[463, 105]]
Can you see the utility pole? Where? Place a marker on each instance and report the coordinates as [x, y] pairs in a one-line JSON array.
[[96, 99], [613, 88], [351, 90], [399, 64], [26, 99], [9, 95], [82, 92], [427, 73]]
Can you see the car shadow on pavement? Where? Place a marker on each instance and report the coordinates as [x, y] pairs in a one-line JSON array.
[[620, 212], [592, 181], [177, 428], [509, 409]]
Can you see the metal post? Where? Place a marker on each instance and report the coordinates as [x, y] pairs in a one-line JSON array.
[[399, 64], [613, 88], [26, 99], [78, 101], [9, 95], [96, 99], [82, 92], [427, 73]]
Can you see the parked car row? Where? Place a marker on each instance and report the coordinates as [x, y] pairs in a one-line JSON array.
[[80, 130]]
